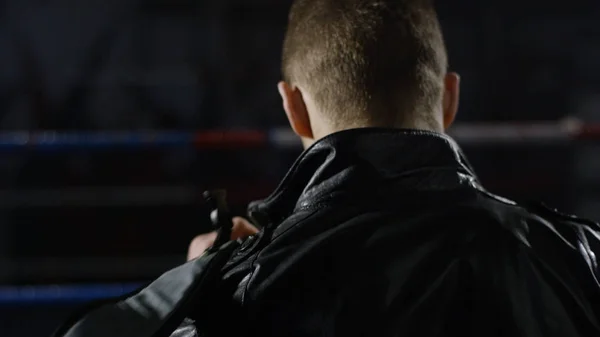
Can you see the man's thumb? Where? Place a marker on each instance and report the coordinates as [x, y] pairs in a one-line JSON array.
[[242, 228]]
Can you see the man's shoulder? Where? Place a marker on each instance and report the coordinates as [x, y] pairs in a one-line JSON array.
[[540, 258], [535, 224], [487, 226], [533, 245], [531, 227]]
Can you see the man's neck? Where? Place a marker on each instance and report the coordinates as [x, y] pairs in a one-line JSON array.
[[324, 132]]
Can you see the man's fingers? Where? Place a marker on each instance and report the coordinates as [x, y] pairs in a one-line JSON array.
[[242, 228], [200, 244]]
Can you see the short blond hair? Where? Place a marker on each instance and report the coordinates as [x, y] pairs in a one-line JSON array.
[[376, 61]]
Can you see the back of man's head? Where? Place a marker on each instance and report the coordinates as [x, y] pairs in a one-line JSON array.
[[367, 62]]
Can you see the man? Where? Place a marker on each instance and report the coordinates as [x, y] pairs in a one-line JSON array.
[[381, 227]]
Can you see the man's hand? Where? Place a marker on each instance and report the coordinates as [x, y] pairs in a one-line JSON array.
[[241, 229]]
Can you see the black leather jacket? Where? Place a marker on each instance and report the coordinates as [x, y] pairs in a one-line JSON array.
[[378, 232]]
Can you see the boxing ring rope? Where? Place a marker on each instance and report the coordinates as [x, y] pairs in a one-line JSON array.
[[63, 294], [465, 133], [468, 134]]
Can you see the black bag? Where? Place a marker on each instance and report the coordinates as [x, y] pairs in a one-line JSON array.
[[158, 309]]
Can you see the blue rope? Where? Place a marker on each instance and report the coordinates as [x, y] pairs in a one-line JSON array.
[[62, 294]]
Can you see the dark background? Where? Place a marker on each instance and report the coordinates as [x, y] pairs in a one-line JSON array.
[[127, 214]]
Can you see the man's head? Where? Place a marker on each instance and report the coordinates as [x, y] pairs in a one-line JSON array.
[[360, 63]]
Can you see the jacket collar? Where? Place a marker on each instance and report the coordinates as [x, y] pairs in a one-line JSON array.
[[367, 157]]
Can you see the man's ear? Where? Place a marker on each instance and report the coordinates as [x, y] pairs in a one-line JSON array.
[[451, 98], [295, 109]]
